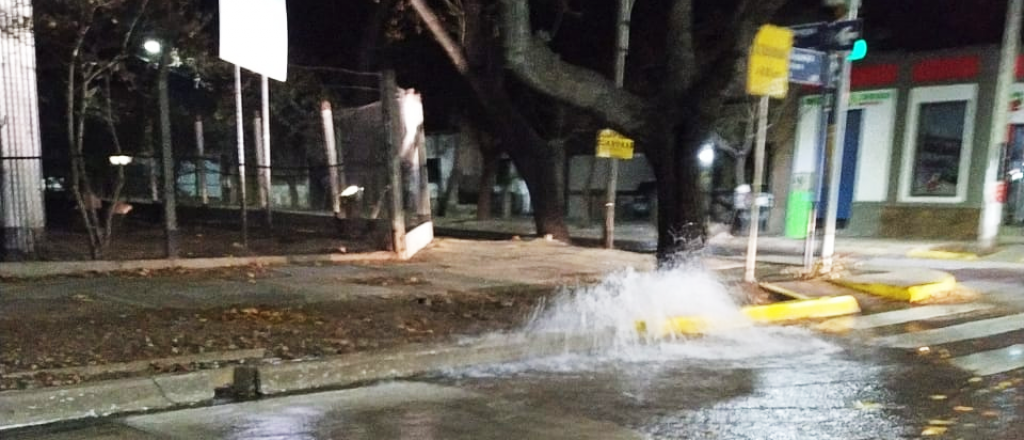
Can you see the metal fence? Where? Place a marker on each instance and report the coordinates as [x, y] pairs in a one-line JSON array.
[[344, 199]]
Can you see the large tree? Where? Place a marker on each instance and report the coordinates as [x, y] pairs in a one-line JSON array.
[[694, 56]]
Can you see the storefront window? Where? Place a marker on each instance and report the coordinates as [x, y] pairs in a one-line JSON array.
[[938, 149]]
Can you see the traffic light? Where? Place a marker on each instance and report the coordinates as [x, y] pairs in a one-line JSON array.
[[859, 51]]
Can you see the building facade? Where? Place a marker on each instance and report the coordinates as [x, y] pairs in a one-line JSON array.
[[915, 151]]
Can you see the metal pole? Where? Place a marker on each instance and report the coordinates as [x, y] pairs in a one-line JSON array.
[[824, 114], [621, 49], [240, 134], [265, 170], [992, 210], [167, 153], [331, 152], [203, 191], [828, 243], [755, 209]]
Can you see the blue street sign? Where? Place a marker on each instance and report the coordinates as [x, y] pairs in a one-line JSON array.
[[805, 66], [809, 36], [839, 35]]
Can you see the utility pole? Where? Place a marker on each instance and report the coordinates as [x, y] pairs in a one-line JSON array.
[[992, 211], [621, 49], [842, 97], [167, 152]]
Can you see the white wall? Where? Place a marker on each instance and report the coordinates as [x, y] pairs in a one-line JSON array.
[[873, 156]]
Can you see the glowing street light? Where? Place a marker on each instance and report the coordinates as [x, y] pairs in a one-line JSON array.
[[706, 155], [120, 160], [152, 47], [351, 191]]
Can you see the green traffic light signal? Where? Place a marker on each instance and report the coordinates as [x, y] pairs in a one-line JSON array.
[[860, 50]]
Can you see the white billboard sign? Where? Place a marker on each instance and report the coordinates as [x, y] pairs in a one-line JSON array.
[[254, 35]]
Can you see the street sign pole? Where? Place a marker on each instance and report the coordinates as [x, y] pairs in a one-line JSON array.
[[622, 47], [767, 77], [824, 114], [755, 208], [838, 140]]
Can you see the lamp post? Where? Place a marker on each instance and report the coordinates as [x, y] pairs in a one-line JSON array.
[[156, 47]]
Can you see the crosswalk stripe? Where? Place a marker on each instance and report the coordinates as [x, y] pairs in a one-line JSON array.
[[954, 333], [990, 362], [914, 314]]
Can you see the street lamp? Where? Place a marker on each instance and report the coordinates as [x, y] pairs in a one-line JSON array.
[[120, 160], [152, 47], [706, 155]]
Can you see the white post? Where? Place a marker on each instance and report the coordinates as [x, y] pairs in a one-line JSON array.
[[257, 137], [201, 188], [240, 134], [992, 210], [265, 173], [330, 150], [828, 243], [755, 209]]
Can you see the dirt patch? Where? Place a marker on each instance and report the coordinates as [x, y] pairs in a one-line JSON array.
[[139, 241], [97, 336]]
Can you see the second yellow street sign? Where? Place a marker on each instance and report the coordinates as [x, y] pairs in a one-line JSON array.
[[614, 145], [768, 65]]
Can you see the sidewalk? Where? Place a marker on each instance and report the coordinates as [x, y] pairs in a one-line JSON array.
[[642, 237], [455, 287]]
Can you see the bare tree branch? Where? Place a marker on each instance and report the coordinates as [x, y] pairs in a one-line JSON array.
[[536, 65], [454, 50]]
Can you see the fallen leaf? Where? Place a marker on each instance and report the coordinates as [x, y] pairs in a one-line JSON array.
[[963, 409], [866, 405], [937, 397], [939, 422], [974, 380], [934, 430], [990, 414]]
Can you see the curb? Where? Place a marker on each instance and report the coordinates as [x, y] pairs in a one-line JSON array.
[[32, 269], [781, 312], [900, 292], [394, 364], [101, 399]]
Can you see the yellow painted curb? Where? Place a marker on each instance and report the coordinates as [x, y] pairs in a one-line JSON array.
[[785, 311], [913, 293], [826, 307], [942, 255]]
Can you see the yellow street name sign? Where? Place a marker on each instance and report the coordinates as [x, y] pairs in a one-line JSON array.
[[768, 65], [614, 145]]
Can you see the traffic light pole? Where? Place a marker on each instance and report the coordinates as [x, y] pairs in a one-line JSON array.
[[842, 102]]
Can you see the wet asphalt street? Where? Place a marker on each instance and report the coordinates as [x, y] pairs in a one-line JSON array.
[[947, 372]]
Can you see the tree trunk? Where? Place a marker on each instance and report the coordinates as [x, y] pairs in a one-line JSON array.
[[681, 217], [527, 149], [487, 178]]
